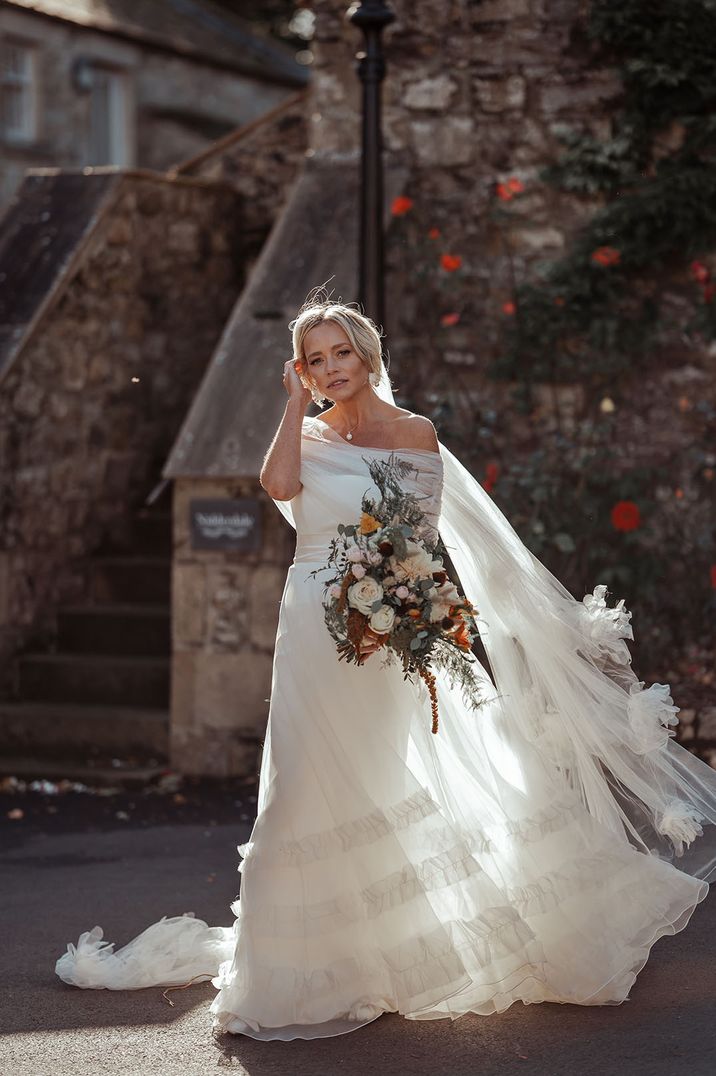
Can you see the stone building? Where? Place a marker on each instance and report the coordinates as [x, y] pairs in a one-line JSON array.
[[134, 83], [475, 93]]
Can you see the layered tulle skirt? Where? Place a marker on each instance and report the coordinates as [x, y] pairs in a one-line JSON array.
[[393, 870]]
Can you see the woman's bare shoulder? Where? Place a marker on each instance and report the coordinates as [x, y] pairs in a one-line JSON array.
[[416, 431]]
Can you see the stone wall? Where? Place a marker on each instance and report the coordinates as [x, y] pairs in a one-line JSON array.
[[91, 404], [260, 161], [474, 94], [224, 617], [225, 605]]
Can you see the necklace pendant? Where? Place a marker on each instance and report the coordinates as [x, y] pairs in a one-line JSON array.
[[349, 436]]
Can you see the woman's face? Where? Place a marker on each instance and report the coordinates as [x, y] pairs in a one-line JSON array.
[[331, 358]]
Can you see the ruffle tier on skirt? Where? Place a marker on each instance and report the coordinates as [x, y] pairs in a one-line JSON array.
[[399, 910]]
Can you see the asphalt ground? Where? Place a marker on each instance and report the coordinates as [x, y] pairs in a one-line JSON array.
[[123, 860]]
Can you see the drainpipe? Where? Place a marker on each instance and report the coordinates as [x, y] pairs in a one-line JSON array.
[[371, 16]]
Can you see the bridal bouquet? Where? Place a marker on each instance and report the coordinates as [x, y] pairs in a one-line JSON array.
[[389, 585]]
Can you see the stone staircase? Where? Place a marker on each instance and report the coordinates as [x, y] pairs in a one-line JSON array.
[[96, 708]]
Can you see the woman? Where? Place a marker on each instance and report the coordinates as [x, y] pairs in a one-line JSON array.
[[533, 850]]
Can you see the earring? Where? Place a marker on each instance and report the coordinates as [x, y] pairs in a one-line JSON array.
[[317, 398], [374, 378]]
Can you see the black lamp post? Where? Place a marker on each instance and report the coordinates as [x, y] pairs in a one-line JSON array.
[[371, 16]]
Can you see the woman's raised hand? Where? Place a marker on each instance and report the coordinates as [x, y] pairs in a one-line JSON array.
[[292, 382]]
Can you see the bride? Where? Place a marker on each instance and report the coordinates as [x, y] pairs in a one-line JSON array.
[[533, 850]]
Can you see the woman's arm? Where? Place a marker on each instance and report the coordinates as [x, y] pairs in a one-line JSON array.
[[282, 463]]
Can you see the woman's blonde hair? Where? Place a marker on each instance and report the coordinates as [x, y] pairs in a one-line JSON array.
[[362, 332]]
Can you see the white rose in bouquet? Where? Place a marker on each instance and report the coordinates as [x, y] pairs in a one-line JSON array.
[[382, 620], [362, 594]]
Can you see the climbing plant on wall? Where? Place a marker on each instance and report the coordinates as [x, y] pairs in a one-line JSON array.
[[634, 292], [635, 281], [596, 311]]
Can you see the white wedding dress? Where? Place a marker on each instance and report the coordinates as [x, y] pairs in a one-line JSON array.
[[532, 850]]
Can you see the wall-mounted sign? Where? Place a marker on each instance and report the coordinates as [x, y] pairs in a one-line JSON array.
[[225, 523]]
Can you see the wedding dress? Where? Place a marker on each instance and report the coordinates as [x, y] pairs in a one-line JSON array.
[[532, 850]]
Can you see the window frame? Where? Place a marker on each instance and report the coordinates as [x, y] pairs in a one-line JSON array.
[[119, 115], [28, 134]]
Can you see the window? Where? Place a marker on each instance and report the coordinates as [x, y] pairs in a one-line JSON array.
[[109, 121], [18, 91]]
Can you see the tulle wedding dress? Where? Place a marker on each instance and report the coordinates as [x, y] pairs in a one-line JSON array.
[[532, 850]]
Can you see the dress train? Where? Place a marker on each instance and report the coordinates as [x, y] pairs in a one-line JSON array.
[[533, 850]]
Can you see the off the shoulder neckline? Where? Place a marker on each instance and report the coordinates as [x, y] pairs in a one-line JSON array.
[[368, 448]]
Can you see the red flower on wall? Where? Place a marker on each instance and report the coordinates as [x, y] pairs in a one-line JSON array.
[[506, 191], [702, 275], [606, 256], [508, 308], [492, 471], [700, 272], [434, 233], [401, 205], [450, 319], [450, 262], [625, 516]]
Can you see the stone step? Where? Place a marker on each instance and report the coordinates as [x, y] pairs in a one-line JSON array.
[[56, 732], [32, 769], [150, 536], [152, 533], [130, 579], [95, 679], [115, 628]]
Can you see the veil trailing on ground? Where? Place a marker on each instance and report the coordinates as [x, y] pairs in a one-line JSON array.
[[563, 673]]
